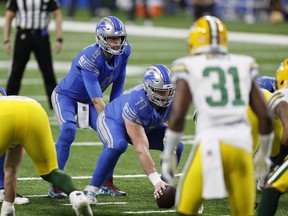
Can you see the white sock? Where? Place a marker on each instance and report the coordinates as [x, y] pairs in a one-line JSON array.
[[7, 208]]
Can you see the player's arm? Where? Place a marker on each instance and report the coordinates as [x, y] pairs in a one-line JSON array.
[[94, 90], [141, 145], [176, 124], [9, 16], [58, 29], [282, 112], [118, 86], [260, 108]]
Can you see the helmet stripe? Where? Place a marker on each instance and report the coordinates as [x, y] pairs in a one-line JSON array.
[[116, 23], [214, 38], [165, 72]]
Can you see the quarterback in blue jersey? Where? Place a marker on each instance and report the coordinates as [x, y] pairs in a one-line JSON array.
[[266, 82], [136, 117], [80, 92], [19, 199]]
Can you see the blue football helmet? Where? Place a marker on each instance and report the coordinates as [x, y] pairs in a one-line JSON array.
[[110, 26], [158, 86]]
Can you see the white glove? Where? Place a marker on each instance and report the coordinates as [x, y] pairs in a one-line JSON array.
[[168, 166], [262, 166]]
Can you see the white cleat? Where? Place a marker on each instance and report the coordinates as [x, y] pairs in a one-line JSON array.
[[19, 200], [80, 204], [91, 193]]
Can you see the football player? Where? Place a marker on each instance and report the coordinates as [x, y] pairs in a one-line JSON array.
[[136, 117], [19, 200], [80, 92], [221, 87], [22, 117], [276, 183]]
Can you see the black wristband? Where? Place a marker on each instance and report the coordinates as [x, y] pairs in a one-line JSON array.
[[60, 40], [6, 41]]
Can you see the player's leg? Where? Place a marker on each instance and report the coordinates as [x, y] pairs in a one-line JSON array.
[[65, 110], [12, 162], [115, 144], [21, 55], [239, 179], [43, 56], [189, 189], [39, 145], [276, 185]]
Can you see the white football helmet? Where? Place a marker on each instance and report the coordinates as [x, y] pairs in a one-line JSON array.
[[156, 80], [111, 26]]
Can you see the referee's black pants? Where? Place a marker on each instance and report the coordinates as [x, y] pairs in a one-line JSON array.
[[27, 41]]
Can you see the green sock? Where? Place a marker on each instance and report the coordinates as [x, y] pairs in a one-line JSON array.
[[61, 180], [269, 202]]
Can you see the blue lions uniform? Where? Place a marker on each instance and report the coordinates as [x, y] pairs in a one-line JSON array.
[[89, 76], [268, 83], [136, 107]]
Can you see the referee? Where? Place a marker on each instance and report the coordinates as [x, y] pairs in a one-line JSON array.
[[32, 19]]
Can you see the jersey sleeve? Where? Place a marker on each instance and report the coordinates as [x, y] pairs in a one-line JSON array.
[[135, 110], [92, 84], [254, 69], [277, 97], [179, 70], [89, 59]]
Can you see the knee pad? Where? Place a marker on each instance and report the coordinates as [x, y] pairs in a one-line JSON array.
[[68, 132]]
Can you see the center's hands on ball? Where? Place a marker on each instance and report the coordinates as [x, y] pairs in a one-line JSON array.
[[160, 187]]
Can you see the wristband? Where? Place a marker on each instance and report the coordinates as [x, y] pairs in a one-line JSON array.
[[154, 178], [6, 41], [60, 40]]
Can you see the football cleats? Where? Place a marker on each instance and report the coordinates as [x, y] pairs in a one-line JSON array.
[[158, 86], [208, 35], [111, 26], [282, 75]]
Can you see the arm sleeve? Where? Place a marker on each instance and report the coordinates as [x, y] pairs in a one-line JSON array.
[[92, 84]]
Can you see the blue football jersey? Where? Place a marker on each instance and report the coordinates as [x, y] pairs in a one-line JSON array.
[[2, 91], [136, 107], [90, 69], [268, 83]]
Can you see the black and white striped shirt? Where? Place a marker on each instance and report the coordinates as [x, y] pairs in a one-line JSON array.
[[32, 14]]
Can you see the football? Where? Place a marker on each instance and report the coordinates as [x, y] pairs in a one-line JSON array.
[[167, 200]]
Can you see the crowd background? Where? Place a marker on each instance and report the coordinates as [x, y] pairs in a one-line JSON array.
[[231, 10]]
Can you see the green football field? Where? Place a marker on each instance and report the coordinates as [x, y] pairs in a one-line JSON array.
[[129, 176]]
